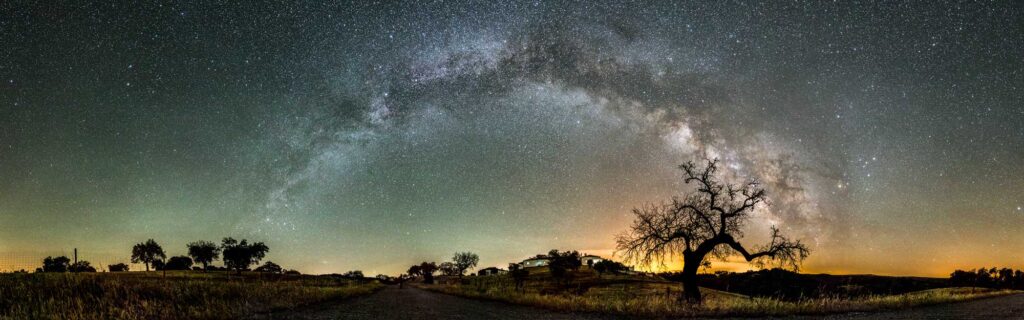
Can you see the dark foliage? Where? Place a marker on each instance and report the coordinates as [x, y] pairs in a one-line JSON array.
[[178, 263], [449, 269], [203, 252], [147, 253], [159, 265], [118, 267], [560, 263], [464, 261], [426, 270], [609, 266], [270, 267], [1004, 278], [239, 255], [81, 266], [787, 285], [58, 264]]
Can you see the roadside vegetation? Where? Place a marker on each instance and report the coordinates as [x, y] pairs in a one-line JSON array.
[[654, 297], [63, 288], [176, 295]]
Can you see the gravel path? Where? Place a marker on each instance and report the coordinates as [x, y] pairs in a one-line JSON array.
[[412, 303]]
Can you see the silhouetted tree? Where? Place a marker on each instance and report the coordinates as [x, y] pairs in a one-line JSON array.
[[1005, 278], [705, 222], [414, 270], [118, 267], [239, 255], [354, 274], [147, 252], [427, 270], [269, 267], [608, 266], [159, 265], [81, 266], [58, 264], [560, 263], [448, 269], [178, 263], [465, 261], [203, 252]]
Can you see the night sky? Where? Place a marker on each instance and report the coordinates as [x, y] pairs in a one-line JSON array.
[[373, 136]]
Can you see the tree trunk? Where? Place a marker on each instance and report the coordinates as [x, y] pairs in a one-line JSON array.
[[147, 266], [690, 289]]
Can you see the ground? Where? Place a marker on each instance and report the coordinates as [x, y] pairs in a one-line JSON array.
[[1006, 307], [413, 303]]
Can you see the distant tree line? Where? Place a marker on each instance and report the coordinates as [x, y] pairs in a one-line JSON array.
[[997, 278], [237, 256], [461, 262]]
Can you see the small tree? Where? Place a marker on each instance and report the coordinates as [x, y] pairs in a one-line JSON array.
[[178, 263], [427, 270], [270, 267], [705, 222], [119, 267], [147, 252], [449, 269], [560, 263], [58, 264], [465, 261], [608, 266], [239, 255], [203, 252], [81, 266], [353, 274]]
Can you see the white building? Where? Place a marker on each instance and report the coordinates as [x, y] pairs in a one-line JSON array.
[[590, 260]]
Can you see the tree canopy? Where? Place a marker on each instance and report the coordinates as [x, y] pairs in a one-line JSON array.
[[203, 252], [147, 252], [239, 255]]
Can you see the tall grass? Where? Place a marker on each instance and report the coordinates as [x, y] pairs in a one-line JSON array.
[[139, 295], [639, 299]]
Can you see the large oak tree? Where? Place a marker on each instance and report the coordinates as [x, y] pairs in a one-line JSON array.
[[706, 221]]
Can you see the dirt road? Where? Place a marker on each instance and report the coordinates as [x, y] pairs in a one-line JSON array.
[[1008, 307], [411, 303]]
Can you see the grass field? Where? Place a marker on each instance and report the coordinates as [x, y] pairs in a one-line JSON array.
[[644, 296], [150, 295]]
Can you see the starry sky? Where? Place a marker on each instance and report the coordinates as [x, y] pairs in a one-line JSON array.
[[372, 136]]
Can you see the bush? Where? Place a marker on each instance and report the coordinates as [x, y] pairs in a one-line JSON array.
[[58, 264], [178, 263], [81, 266], [269, 267]]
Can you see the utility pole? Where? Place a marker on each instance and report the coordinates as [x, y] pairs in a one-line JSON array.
[[76, 255]]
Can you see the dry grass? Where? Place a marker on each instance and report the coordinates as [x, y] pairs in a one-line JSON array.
[[654, 298], [179, 295]]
